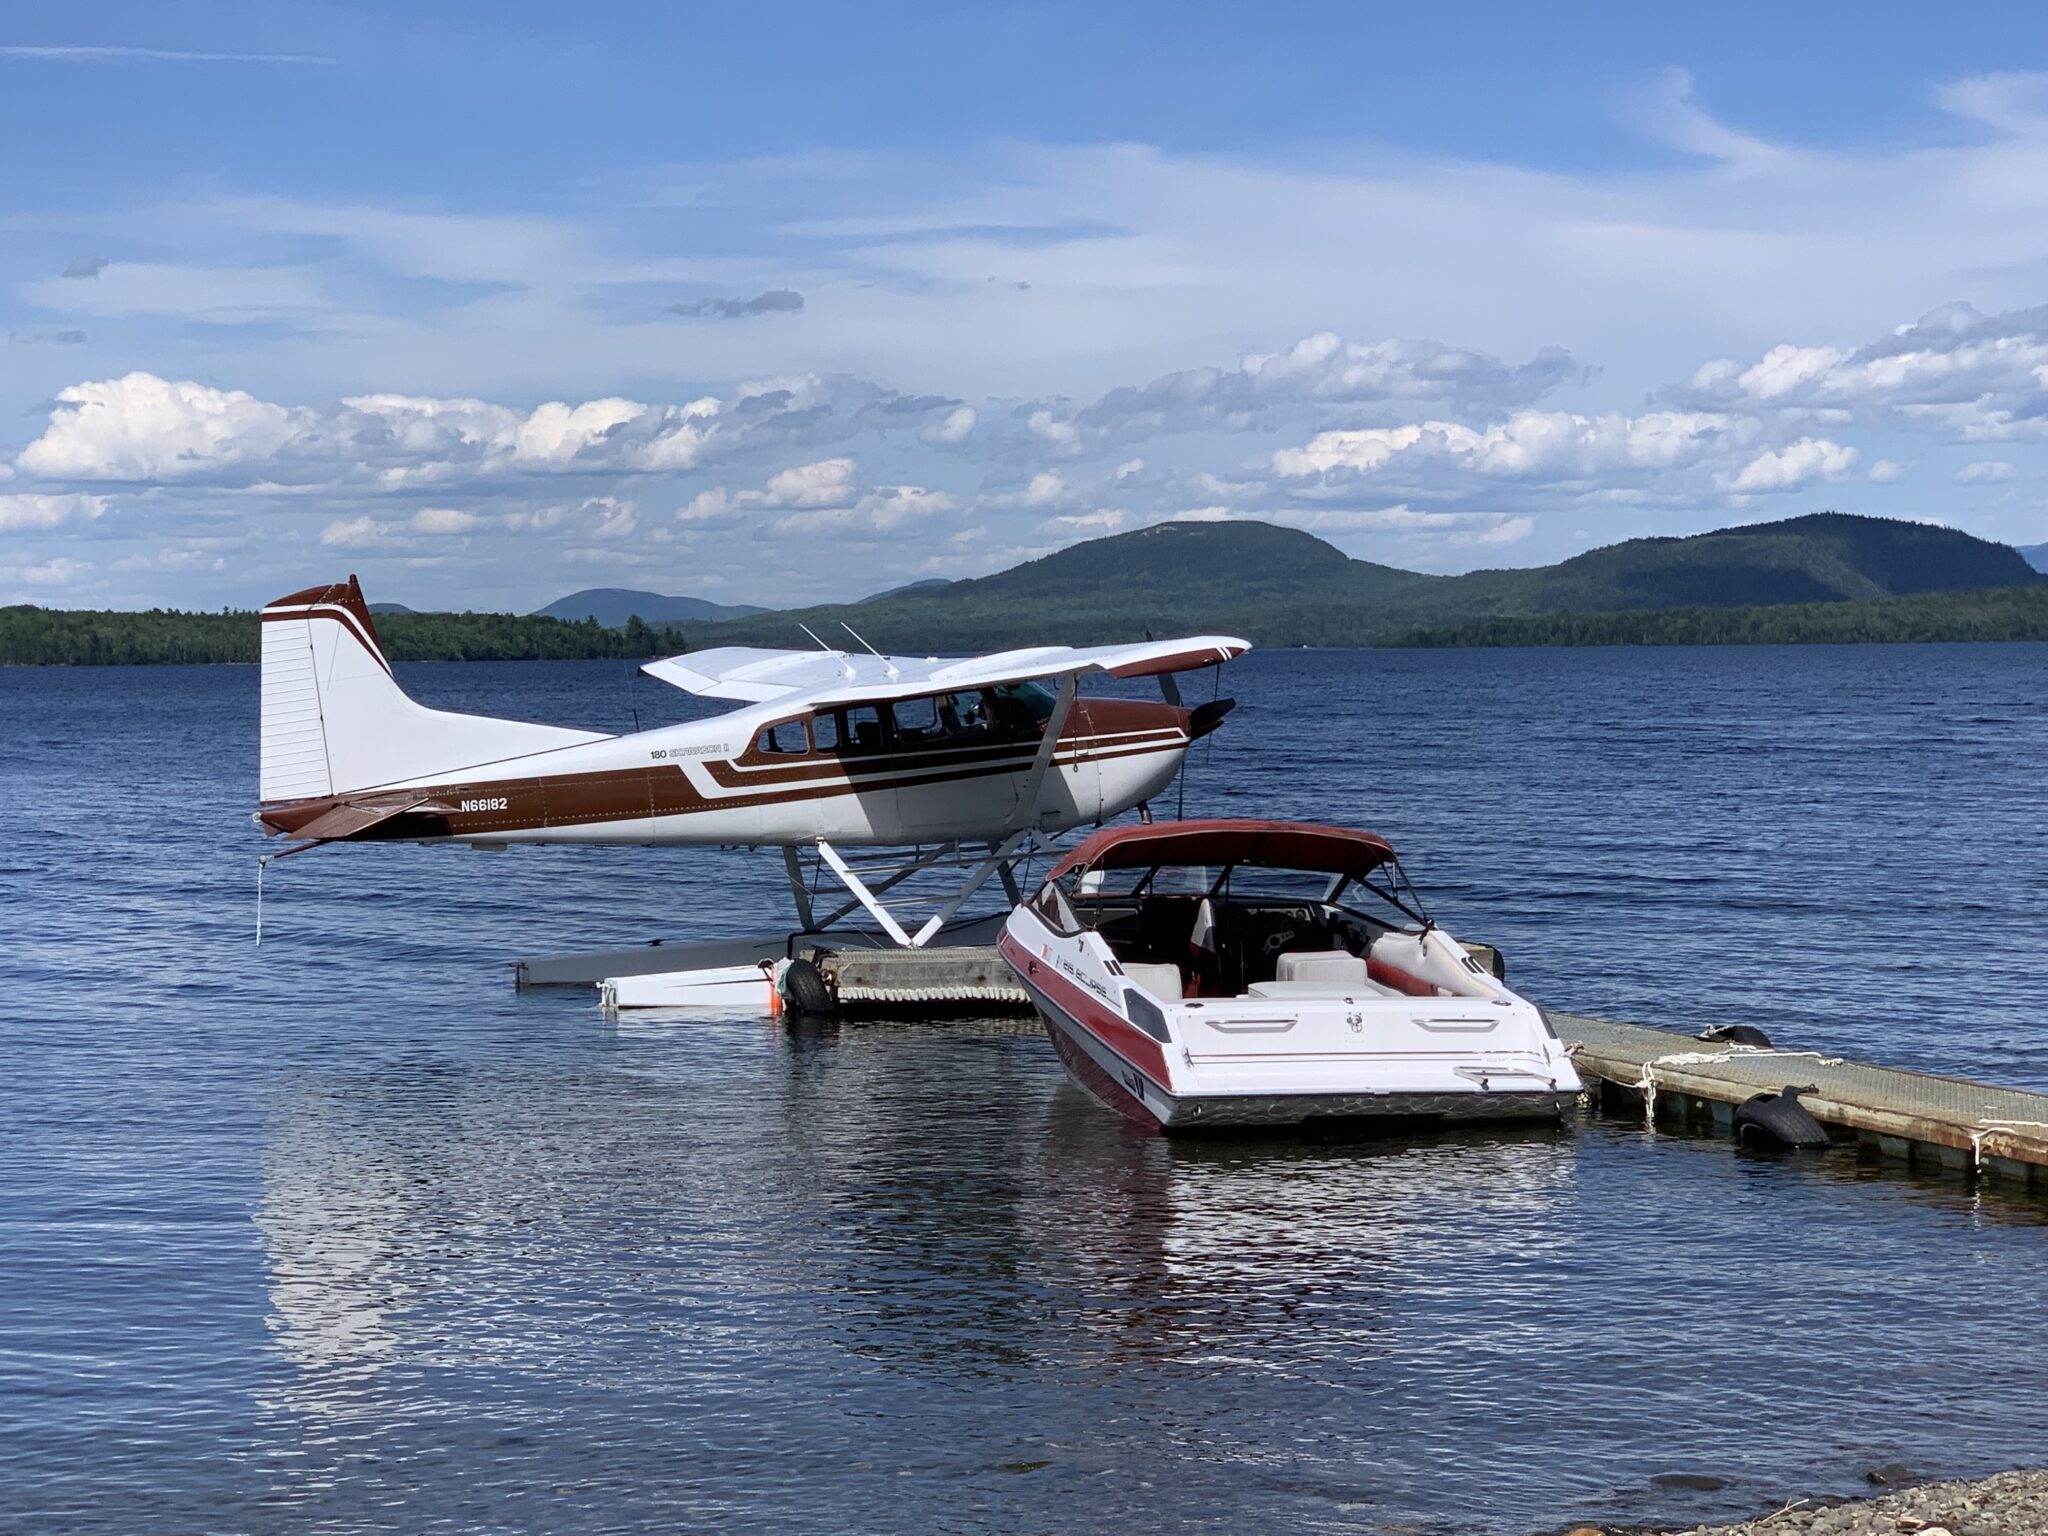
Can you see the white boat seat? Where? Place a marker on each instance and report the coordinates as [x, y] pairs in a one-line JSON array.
[[1162, 981], [1332, 967], [1307, 991]]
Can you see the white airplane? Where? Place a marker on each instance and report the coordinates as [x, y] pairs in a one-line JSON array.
[[832, 750]]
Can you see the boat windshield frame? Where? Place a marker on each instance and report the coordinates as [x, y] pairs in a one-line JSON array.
[[1398, 892]]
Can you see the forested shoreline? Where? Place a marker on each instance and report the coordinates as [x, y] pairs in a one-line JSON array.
[[1999, 613], [31, 636]]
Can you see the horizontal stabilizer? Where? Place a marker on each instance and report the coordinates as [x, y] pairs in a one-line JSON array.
[[346, 818]]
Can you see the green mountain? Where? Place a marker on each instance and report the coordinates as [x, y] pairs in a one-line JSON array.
[[1280, 586], [1824, 577], [614, 605]]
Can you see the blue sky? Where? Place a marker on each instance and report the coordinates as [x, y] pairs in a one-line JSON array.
[[784, 304]]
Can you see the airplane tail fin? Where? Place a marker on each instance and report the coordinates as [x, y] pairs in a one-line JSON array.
[[336, 721]]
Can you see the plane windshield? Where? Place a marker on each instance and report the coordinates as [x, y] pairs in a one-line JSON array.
[[1021, 709]]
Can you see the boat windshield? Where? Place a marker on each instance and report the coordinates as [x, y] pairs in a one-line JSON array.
[[1246, 883], [1244, 880]]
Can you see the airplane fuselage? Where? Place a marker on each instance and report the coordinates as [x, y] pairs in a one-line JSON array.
[[772, 775]]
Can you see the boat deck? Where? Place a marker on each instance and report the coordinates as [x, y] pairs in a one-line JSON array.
[[1948, 1122]]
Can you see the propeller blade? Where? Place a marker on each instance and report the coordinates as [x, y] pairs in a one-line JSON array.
[[1169, 688], [1204, 718]]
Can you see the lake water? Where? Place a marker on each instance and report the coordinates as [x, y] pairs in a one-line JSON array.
[[343, 1234]]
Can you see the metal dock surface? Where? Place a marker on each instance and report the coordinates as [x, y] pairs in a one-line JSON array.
[[1946, 1122]]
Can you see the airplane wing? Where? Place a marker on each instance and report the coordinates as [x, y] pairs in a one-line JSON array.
[[841, 677], [755, 676]]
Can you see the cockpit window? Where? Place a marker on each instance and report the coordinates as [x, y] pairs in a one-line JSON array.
[[1020, 709], [917, 722], [942, 720], [861, 729], [784, 736]]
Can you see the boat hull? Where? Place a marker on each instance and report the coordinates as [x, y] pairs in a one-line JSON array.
[[1124, 1086]]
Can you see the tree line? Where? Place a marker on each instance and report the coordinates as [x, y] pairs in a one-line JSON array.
[[1999, 613], [31, 636]]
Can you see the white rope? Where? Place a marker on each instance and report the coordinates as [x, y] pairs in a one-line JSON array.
[[262, 863], [1986, 1128], [1646, 1084]]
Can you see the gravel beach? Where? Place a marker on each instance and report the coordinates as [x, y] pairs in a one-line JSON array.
[[2009, 1504]]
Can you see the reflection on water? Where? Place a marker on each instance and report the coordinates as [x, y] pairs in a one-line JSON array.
[[425, 1253], [863, 1253]]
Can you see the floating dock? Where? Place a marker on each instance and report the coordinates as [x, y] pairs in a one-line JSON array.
[[1939, 1122], [1936, 1122]]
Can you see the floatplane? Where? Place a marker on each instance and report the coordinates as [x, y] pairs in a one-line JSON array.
[[862, 769]]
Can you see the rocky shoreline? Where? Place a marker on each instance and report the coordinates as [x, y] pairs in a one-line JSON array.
[[2008, 1504]]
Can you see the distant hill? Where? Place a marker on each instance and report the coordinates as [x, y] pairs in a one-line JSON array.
[[388, 608], [910, 586], [2035, 555], [1823, 577], [1282, 586], [612, 606]]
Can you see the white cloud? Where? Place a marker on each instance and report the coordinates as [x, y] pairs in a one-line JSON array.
[[438, 520], [1887, 472], [30, 509], [1784, 369], [1320, 371], [354, 533], [144, 428], [882, 510], [954, 427], [827, 483], [616, 518], [1984, 472], [712, 506], [141, 427], [1977, 377], [60, 572], [1529, 443], [1050, 429], [1796, 464], [1045, 489]]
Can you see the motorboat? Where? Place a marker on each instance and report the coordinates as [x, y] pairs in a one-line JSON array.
[[1201, 974]]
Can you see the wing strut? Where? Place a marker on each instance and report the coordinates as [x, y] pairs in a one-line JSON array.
[[1000, 860], [1026, 814]]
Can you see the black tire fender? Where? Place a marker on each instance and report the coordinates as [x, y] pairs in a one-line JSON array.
[[1778, 1120], [807, 991]]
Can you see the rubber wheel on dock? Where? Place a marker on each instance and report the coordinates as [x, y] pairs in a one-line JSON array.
[[807, 990], [1778, 1120]]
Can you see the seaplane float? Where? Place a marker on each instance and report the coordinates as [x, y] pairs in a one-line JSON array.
[[1213, 974], [866, 771]]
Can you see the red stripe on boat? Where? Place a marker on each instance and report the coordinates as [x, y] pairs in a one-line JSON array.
[[1087, 1010]]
